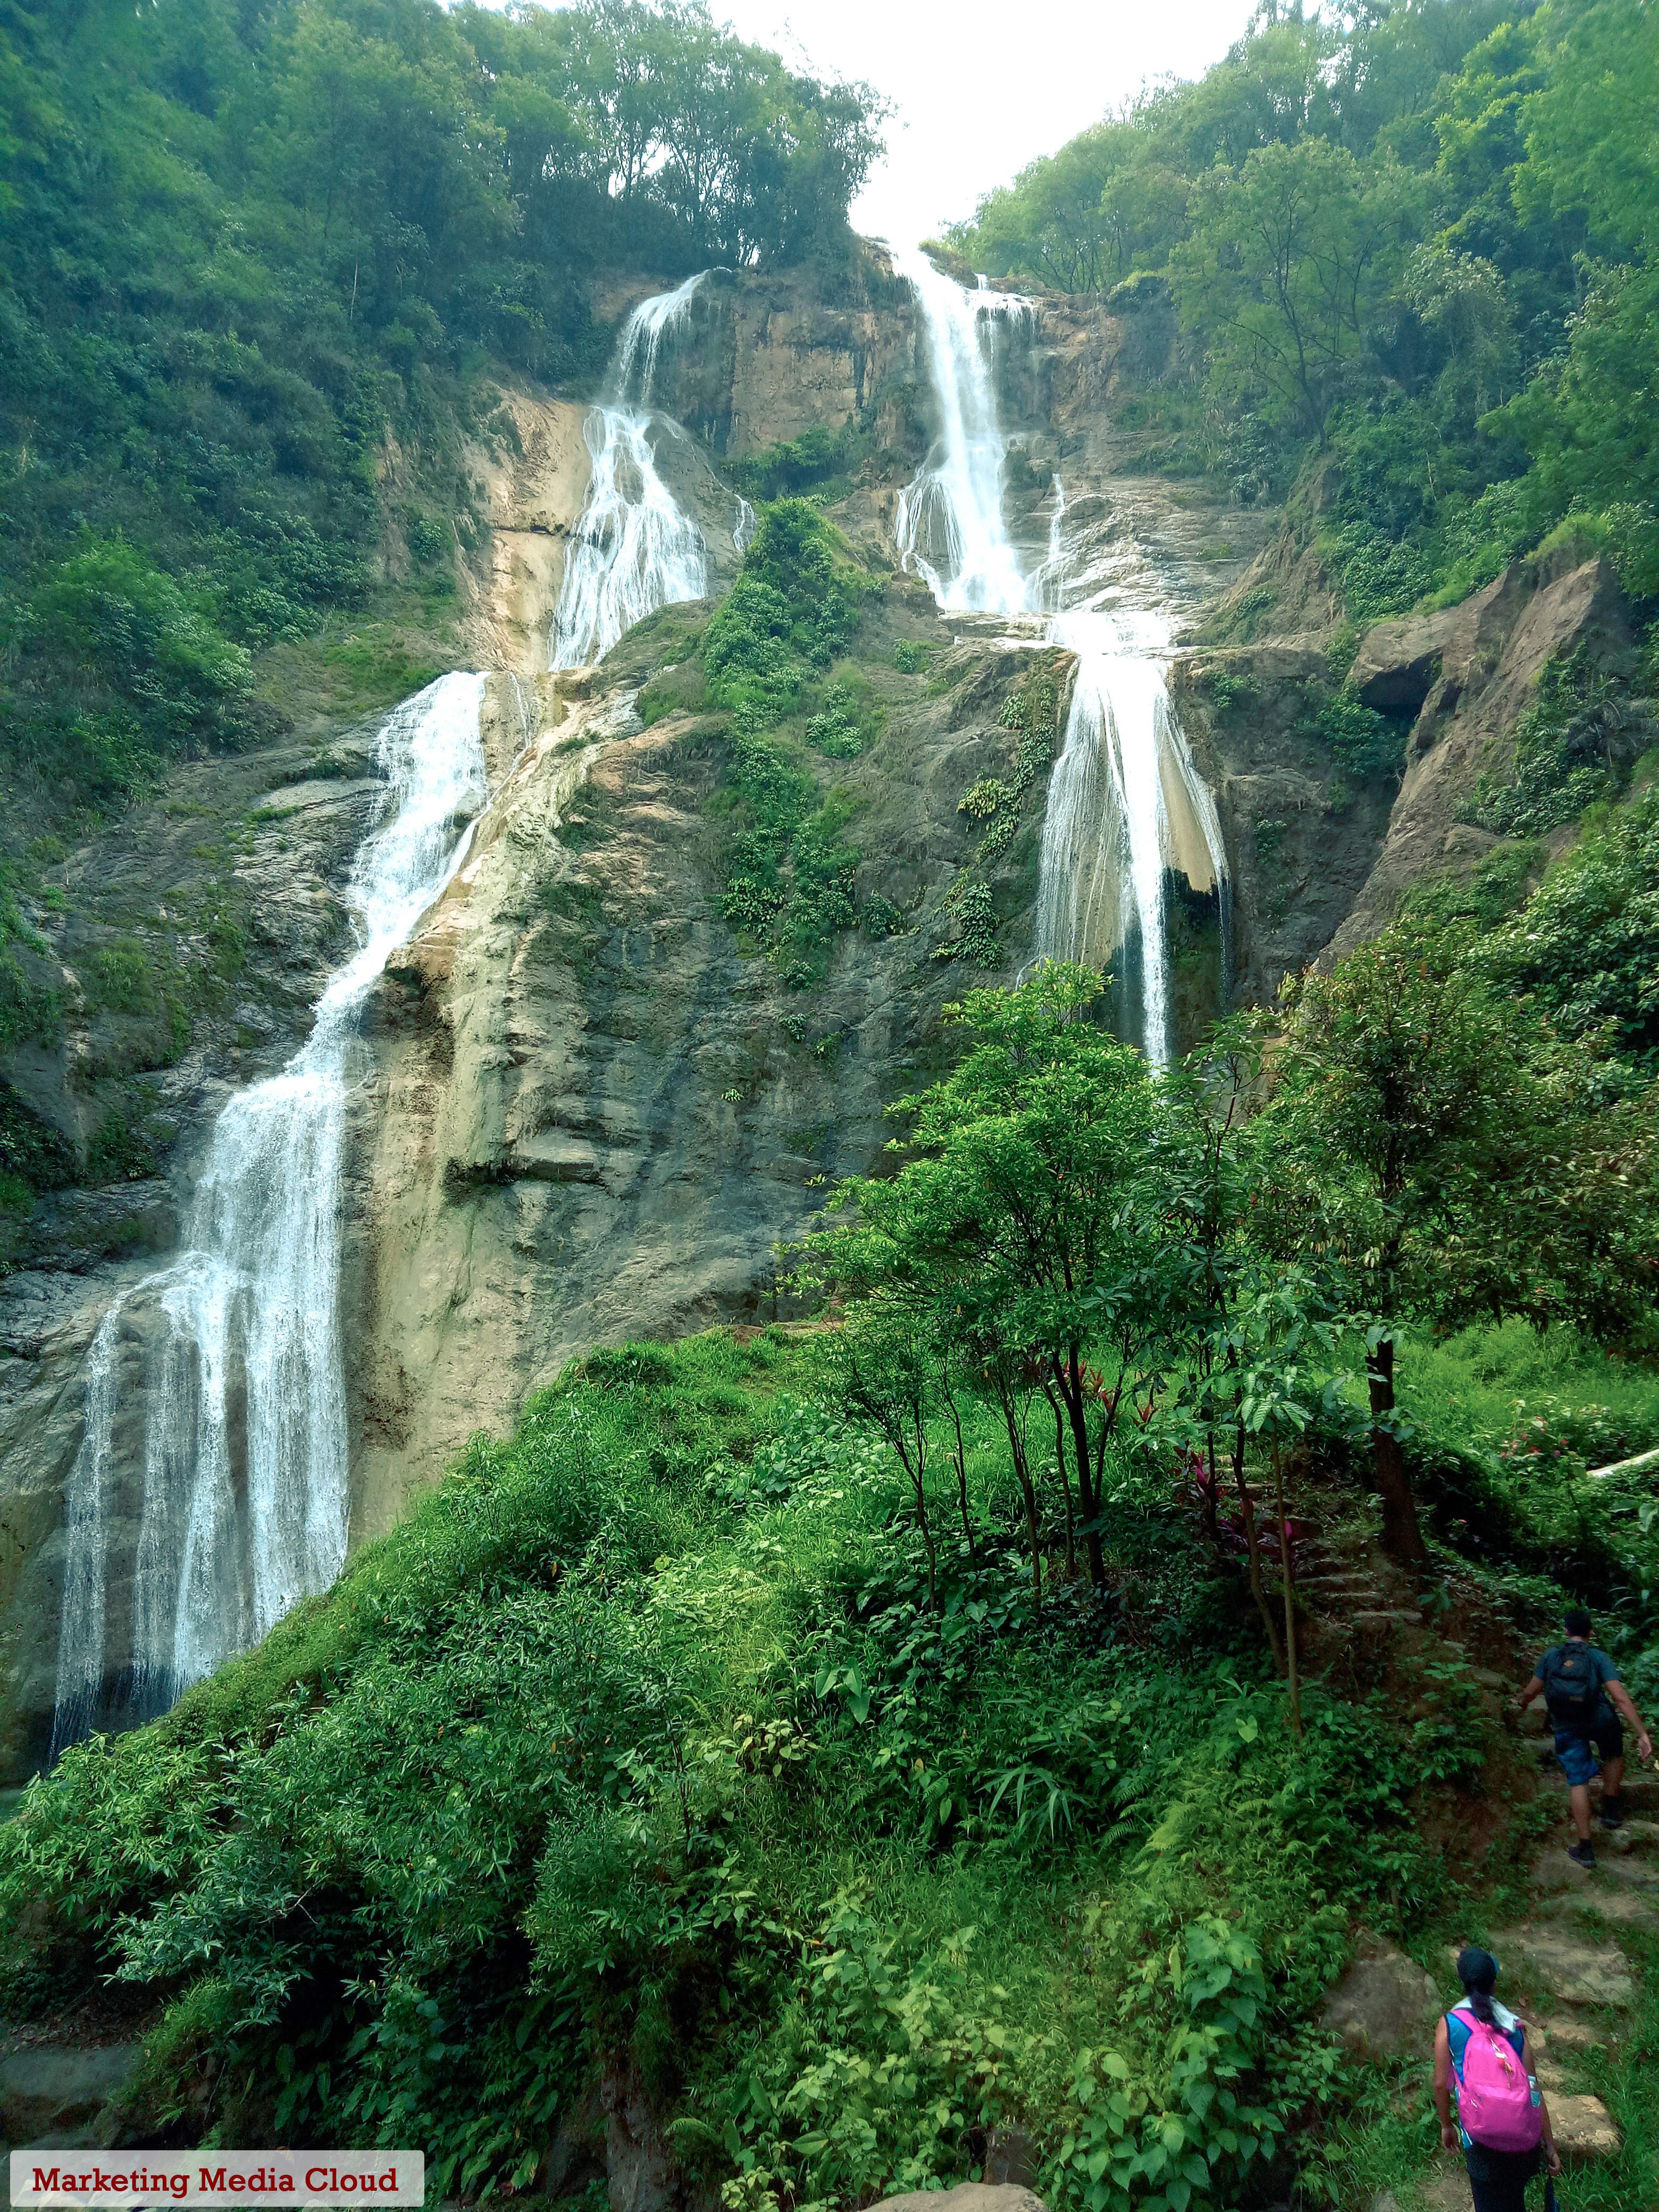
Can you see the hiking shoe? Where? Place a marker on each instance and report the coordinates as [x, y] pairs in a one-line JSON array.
[[1613, 1812], [1581, 1854]]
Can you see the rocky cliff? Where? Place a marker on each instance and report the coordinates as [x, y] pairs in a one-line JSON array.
[[588, 1108]]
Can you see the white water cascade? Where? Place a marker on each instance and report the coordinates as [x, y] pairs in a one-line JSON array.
[[245, 1500], [1126, 802], [1126, 805], [949, 525], [634, 548]]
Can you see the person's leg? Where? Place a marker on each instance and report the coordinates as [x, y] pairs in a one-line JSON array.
[[1577, 1759], [1497, 2180], [1610, 1753]]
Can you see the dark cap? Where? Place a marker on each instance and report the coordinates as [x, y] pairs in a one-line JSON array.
[[1477, 1970]]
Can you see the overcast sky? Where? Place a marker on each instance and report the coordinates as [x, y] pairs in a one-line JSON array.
[[979, 90]]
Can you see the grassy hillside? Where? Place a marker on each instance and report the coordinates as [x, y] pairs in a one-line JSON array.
[[638, 1754]]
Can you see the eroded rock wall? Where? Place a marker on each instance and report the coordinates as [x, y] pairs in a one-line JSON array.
[[594, 1113]]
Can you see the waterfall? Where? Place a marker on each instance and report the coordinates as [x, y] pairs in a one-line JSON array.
[[634, 548], [244, 1332], [1126, 802], [948, 527]]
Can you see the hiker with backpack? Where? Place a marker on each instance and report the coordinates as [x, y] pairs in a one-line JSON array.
[[1584, 1699], [1483, 2059]]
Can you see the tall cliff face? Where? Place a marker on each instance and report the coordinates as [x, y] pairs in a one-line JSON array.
[[594, 1111], [587, 1108]]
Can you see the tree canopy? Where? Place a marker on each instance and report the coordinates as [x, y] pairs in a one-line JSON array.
[[1423, 236]]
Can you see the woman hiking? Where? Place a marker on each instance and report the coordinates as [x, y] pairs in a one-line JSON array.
[[1483, 2059]]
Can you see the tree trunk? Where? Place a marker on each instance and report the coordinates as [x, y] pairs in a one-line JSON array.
[[1402, 1539], [916, 1472], [962, 1475], [1017, 1446], [1065, 1477], [1068, 1373], [1287, 1577], [1254, 1549]]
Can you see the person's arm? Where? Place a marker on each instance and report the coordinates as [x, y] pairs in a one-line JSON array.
[[1527, 1695], [1442, 2086], [1626, 1705], [1551, 2155]]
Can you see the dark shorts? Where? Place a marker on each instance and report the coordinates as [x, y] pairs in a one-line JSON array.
[[1498, 2177], [1578, 1752]]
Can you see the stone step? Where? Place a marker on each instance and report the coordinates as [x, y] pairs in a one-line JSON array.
[[1562, 2033], [1565, 1968], [1584, 2130], [1641, 1835]]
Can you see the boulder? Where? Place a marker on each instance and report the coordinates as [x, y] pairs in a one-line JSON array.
[[1483, 660], [1571, 1970], [967, 2197], [1397, 662], [49, 2090], [1565, 2033], [1584, 2128], [1385, 2006]]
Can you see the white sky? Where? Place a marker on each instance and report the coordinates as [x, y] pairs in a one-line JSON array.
[[979, 90]]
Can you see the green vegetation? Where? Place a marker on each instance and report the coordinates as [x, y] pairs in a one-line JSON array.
[[852, 1738], [1420, 242], [257, 248], [793, 608]]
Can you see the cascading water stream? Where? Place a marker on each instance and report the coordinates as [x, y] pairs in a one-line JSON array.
[[244, 1332], [949, 525], [1126, 803], [635, 549]]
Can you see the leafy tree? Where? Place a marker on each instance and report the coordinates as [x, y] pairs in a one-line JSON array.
[[1430, 1143], [1018, 1229], [1288, 259], [1587, 946]]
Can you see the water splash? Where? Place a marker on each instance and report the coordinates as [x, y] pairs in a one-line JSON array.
[[246, 1504], [643, 334], [1126, 802], [948, 527], [1126, 806], [634, 548]]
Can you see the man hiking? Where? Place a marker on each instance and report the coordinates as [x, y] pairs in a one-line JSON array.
[[1584, 1697]]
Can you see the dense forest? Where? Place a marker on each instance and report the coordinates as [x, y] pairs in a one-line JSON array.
[[990, 1702], [246, 238]]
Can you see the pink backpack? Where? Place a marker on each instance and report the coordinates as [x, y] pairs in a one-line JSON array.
[[1495, 2103]]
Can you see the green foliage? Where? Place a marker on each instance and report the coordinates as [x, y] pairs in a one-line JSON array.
[[1289, 262], [31, 1150], [795, 604], [835, 731], [983, 801], [1587, 945], [1424, 240], [119, 1153], [815, 458], [1579, 731], [976, 940], [244, 242], [1365, 742], [911, 656]]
